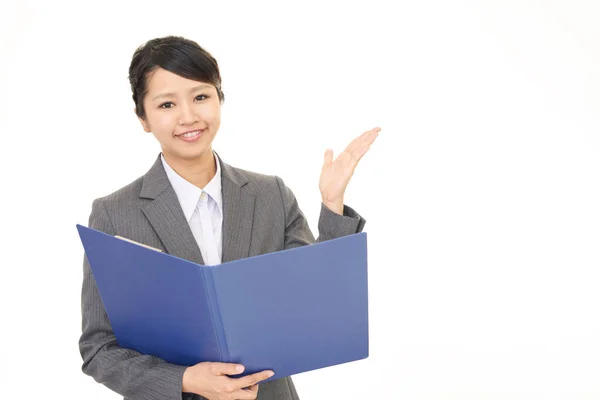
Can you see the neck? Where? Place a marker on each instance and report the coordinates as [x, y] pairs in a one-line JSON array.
[[198, 171]]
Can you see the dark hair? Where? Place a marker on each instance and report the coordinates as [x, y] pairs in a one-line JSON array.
[[175, 54]]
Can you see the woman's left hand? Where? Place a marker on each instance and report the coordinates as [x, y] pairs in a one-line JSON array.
[[336, 174]]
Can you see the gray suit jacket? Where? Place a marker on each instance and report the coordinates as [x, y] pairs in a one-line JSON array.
[[260, 215]]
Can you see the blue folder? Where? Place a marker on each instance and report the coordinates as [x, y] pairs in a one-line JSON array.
[[290, 311]]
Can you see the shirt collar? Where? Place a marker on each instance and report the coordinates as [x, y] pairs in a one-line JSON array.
[[189, 194]]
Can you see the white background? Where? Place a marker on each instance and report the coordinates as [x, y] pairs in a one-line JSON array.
[[481, 193]]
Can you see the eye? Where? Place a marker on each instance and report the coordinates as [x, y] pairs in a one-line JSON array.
[[167, 104], [201, 97]]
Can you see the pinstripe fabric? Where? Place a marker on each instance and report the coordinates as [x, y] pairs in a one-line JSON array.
[[260, 215]]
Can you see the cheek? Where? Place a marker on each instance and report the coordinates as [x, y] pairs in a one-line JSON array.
[[163, 123], [213, 115]]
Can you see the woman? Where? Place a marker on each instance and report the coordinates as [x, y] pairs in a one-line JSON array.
[[193, 205]]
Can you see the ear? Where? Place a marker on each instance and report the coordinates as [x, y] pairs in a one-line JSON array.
[[143, 122]]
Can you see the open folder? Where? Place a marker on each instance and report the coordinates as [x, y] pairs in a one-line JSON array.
[[290, 311]]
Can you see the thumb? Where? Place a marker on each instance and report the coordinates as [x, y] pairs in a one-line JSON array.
[[328, 158], [226, 368]]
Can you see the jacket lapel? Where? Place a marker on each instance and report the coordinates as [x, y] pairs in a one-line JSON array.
[[166, 216], [238, 211]]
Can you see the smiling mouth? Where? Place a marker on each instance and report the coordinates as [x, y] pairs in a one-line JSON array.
[[190, 134]]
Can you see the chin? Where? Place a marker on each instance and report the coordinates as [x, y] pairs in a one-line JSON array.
[[193, 154]]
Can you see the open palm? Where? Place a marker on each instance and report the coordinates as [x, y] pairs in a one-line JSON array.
[[336, 174]]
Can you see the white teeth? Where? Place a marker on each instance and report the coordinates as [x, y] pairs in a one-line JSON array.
[[190, 134]]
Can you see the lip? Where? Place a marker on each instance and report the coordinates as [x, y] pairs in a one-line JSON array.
[[193, 138]]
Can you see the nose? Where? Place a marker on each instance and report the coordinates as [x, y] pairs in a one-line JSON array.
[[187, 115]]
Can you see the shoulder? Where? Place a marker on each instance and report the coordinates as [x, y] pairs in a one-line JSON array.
[[116, 211], [128, 194], [120, 212], [257, 183]]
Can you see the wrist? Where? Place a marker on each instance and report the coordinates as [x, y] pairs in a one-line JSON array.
[[186, 382], [337, 207]]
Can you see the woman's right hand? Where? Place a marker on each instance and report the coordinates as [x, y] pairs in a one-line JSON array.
[[209, 379]]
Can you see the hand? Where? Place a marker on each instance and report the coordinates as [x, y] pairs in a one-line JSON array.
[[335, 175], [209, 379]]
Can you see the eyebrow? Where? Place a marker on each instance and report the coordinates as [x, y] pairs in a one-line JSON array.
[[194, 89]]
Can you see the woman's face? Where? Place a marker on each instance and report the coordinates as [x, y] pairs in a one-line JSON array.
[[184, 115]]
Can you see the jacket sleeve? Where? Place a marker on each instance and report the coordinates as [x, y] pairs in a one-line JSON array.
[[127, 372], [331, 225]]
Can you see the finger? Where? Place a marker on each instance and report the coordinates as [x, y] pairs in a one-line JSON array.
[[373, 133], [360, 148], [218, 369], [368, 137], [328, 158], [253, 389], [243, 395], [357, 141], [253, 379], [364, 140]]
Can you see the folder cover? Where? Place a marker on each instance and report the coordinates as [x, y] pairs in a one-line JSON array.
[[290, 311]]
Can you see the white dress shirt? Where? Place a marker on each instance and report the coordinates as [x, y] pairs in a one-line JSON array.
[[203, 209]]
